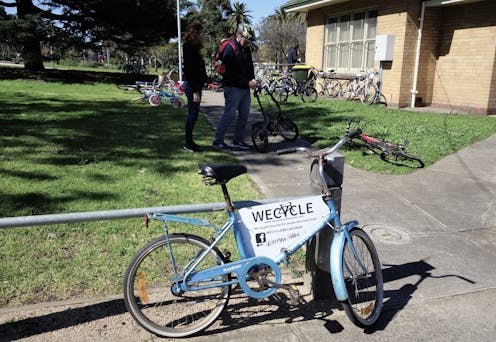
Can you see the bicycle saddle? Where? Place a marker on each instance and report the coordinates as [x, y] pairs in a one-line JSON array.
[[219, 173]]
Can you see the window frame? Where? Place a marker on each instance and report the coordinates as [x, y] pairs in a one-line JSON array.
[[340, 46]]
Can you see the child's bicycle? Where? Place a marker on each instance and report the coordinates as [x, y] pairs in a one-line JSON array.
[[274, 123], [389, 152], [178, 284]]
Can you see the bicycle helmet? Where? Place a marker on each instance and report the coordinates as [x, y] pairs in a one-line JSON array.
[[246, 31]]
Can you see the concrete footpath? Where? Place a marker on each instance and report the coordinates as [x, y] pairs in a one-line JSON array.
[[435, 231]]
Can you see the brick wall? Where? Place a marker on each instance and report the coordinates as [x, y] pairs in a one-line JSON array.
[[465, 73], [458, 51]]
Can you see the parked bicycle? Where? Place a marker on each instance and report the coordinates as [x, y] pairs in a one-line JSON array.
[[287, 84], [390, 152], [328, 84], [178, 284], [274, 124], [361, 87]]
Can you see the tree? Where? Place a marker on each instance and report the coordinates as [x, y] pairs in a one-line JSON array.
[[240, 15], [131, 24], [281, 31]]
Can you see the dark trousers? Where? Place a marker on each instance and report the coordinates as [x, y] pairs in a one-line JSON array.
[[193, 112]]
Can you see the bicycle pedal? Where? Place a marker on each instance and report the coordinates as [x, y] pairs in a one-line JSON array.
[[294, 295]]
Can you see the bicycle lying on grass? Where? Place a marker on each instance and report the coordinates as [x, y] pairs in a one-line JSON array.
[[389, 152], [274, 123], [153, 92], [178, 284]]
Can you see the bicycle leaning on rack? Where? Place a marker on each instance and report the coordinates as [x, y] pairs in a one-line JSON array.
[[274, 123], [178, 284], [389, 152]]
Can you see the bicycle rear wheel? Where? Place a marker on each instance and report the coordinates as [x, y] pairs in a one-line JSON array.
[[259, 137], [149, 281], [287, 129], [363, 280], [309, 94]]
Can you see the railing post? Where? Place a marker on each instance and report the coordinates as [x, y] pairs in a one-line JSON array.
[[317, 279]]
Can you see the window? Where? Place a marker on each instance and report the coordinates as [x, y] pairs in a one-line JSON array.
[[350, 41]]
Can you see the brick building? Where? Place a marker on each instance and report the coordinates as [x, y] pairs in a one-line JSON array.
[[440, 53]]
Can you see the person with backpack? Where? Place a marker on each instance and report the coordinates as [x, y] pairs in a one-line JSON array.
[[195, 76], [238, 78]]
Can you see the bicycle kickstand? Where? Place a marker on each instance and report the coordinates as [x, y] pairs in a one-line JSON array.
[[294, 294]]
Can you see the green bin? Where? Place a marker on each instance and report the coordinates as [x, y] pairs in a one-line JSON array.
[[300, 72]]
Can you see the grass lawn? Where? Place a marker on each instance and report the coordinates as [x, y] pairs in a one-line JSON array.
[[72, 147], [431, 136], [77, 147]]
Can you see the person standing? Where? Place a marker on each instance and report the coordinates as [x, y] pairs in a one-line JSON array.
[[292, 57], [195, 77], [238, 79]]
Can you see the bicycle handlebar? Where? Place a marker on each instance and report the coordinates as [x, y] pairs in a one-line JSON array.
[[322, 152]]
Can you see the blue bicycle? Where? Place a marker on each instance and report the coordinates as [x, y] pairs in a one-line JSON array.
[[178, 284]]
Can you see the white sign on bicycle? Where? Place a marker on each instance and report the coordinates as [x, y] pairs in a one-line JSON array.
[[268, 228]]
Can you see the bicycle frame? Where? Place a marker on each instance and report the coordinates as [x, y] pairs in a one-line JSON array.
[[189, 280]]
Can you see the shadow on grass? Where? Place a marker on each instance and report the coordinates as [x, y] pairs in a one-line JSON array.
[[38, 134]]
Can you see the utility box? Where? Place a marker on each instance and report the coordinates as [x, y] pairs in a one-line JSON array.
[[384, 47]]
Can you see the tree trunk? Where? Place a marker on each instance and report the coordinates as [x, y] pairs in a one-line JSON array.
[[33, 60], [31, 52]]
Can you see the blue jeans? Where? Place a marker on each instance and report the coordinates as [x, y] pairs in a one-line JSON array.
[[236, 99], [193, 111]]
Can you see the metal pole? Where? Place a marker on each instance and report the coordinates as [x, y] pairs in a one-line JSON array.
[[179, 48], [417, 56], [37, 220]]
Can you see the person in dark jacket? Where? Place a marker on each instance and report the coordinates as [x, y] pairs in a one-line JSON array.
[[292, 57], [238, 79], [195, 76]]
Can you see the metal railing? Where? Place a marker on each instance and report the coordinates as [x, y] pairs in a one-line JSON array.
[[38, 220]]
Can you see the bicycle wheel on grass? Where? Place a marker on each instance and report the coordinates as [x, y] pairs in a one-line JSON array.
[[402, 158], [363, 280], [369, 93], [259, 137], [287, 129], [150, 279], [309, 94], [333, 89]]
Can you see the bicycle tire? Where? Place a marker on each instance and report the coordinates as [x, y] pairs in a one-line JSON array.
[[259, 137], [148, 288], [388, 155], [287, 129], [369, 93], [347, 92], [309, 94], [333, 89], [281, 92], [365, 291]]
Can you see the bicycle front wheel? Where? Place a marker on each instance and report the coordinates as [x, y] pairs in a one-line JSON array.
[[309, 94], [287, 129], [363, 279], [259, 137], [333, 89], [369, 93], [150, 278]]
